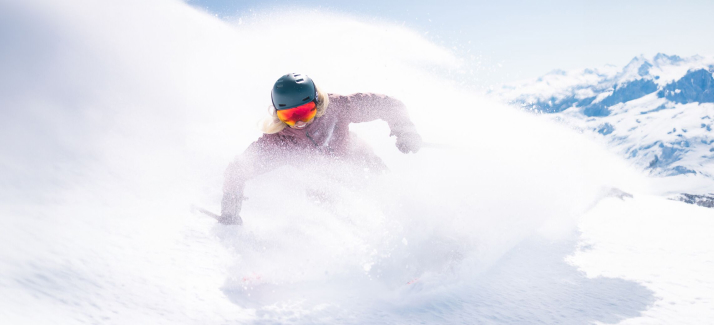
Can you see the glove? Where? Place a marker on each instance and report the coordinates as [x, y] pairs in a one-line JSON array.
[[230, 209], [409, 142]]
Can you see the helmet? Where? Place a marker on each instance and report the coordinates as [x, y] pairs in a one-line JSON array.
[[291, 90]]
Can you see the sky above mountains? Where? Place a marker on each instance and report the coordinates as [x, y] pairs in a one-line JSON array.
[[513, 40]]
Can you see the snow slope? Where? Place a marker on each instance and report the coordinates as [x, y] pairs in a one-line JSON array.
[[663, 244], [119, 116]]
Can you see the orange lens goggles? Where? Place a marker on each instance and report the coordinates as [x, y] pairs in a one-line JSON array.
[[305, 113]]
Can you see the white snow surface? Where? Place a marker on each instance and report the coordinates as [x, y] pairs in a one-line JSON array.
[[121, 115], [663, 244]]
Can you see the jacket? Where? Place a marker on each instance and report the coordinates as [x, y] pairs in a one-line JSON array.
[[326, 136]]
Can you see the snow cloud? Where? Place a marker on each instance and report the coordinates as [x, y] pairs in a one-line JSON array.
[[119, 115]]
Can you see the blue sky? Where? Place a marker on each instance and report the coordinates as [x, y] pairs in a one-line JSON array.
[[525, 39]]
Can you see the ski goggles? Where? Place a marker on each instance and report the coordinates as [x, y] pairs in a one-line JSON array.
[[304, 113]]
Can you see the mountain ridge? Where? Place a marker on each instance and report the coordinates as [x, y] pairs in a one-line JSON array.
[[655, 111]]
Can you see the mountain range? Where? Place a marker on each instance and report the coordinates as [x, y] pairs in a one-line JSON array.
[[655, 111]]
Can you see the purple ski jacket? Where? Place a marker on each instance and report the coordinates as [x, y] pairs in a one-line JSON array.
[[327, 135]]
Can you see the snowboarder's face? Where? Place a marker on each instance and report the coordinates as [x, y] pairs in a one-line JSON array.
[[300, 124]]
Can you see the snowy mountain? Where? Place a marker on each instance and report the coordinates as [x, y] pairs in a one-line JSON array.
[[118, 116], [655, 111]]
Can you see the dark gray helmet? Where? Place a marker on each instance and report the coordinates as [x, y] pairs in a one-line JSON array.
[[293, 89]]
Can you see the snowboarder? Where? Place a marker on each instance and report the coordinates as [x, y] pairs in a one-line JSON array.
[[306, 122]]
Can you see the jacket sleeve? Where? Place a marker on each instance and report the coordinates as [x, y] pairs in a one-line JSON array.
[[365, 107], [260, 157]]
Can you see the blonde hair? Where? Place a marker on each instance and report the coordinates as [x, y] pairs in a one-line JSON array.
[[272, 124]]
